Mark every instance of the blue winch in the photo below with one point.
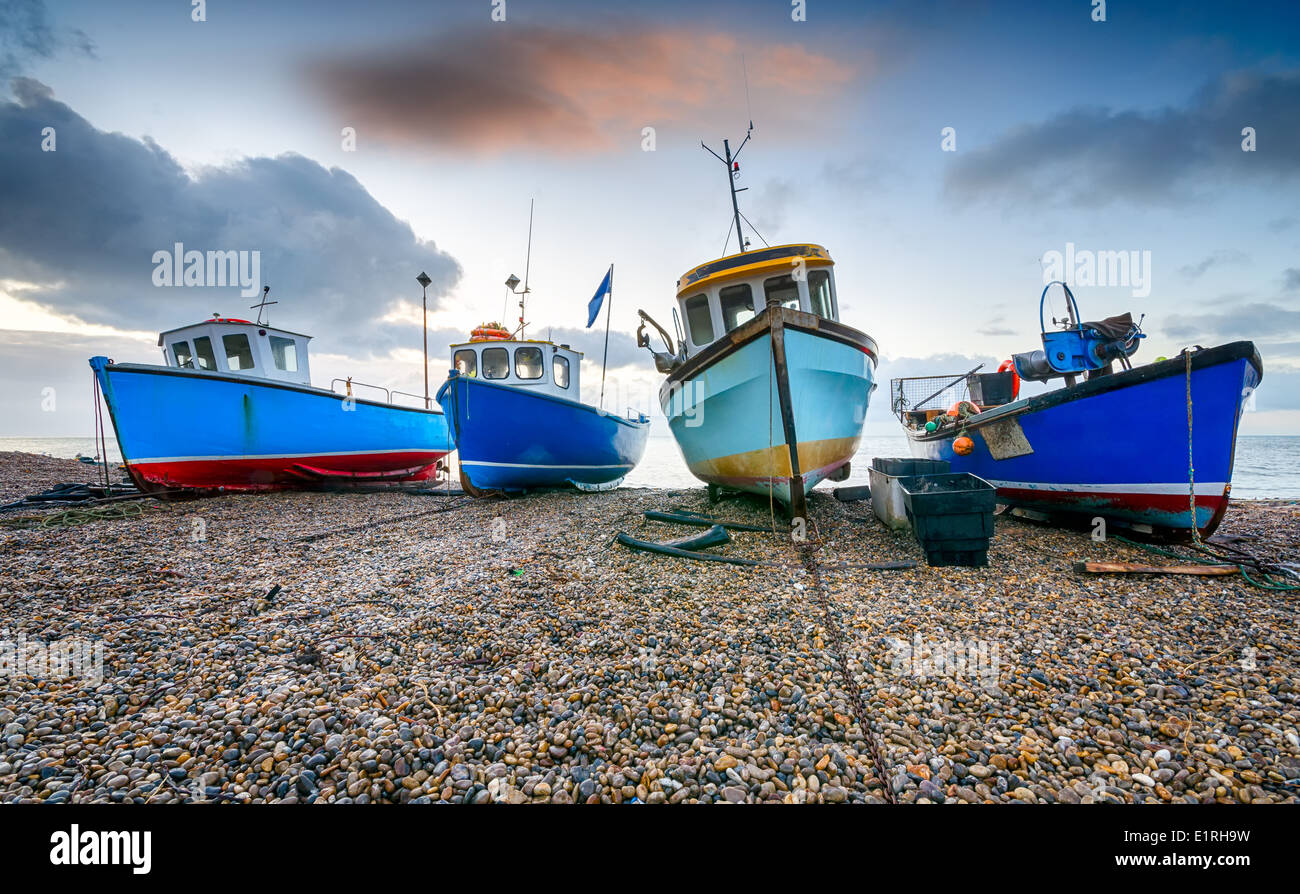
(1079, 347)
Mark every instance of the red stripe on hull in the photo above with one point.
(1170, 511)
(285, 473)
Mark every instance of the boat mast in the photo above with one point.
(528, 258)
(733, 169)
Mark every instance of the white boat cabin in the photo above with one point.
(719, 296)
(535, 365)
(238, 346)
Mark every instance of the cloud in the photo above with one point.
(1248, 321)
(1094, 156)
(1291, 279)
(1194, 271)
(83, 222)
(993, 329)
(562, 90)
(26, 34)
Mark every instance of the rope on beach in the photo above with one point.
(351, 529)
(79, 516)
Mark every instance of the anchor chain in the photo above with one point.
(841, 659)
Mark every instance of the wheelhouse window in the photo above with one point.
(819, 293)
(782, 290)
(284, 352)
(529, 363)
(239, 355)
(467, 362)
(737, 305)
(496, 363)
(560, 370)
(699, 319)
(181, 354)
(203, 356)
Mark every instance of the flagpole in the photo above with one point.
(609, 302)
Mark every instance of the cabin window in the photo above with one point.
(528, 363)
(699, 319)
(782, 290)
(181, 352)
(467, 363)
(737, 305)
(239, 355)
(496, 363)
(203, 356)
(560, 370)
(284, 352)
(819, 293)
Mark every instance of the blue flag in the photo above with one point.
(594, 305)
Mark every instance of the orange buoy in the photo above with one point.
(1010, 366)
(963, 446)
(968, 407)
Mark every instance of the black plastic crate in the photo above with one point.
(971, 558)
(991, 389)
(909, 466)
(957, 526)
(948, 493)
(951, 516)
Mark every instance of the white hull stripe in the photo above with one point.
(1202, 487)
(537, 466)
(235, 456)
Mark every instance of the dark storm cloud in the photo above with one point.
(26, 34)
(561, 89)
(1094, 156)
(83, 223)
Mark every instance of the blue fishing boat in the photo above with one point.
(1148, 447)
(766, 389)
(519, 425)
(233, 409)
(516, 414)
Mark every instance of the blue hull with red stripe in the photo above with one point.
(1117, 446)
(514, 439)
(200, 430)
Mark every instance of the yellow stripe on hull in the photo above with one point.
(774, 461)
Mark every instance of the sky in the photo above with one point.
(944, 152)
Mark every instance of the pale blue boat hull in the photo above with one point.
(726, 412)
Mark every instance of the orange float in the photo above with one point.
(963, 446)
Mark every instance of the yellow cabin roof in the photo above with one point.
(749, 263)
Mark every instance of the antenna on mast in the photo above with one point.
(261, 307)
(733, 171)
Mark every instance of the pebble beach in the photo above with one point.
(396, 647)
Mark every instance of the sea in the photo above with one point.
(1267, 467)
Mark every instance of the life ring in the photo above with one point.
(972, 408)
(1010, 366)
(490, 332)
